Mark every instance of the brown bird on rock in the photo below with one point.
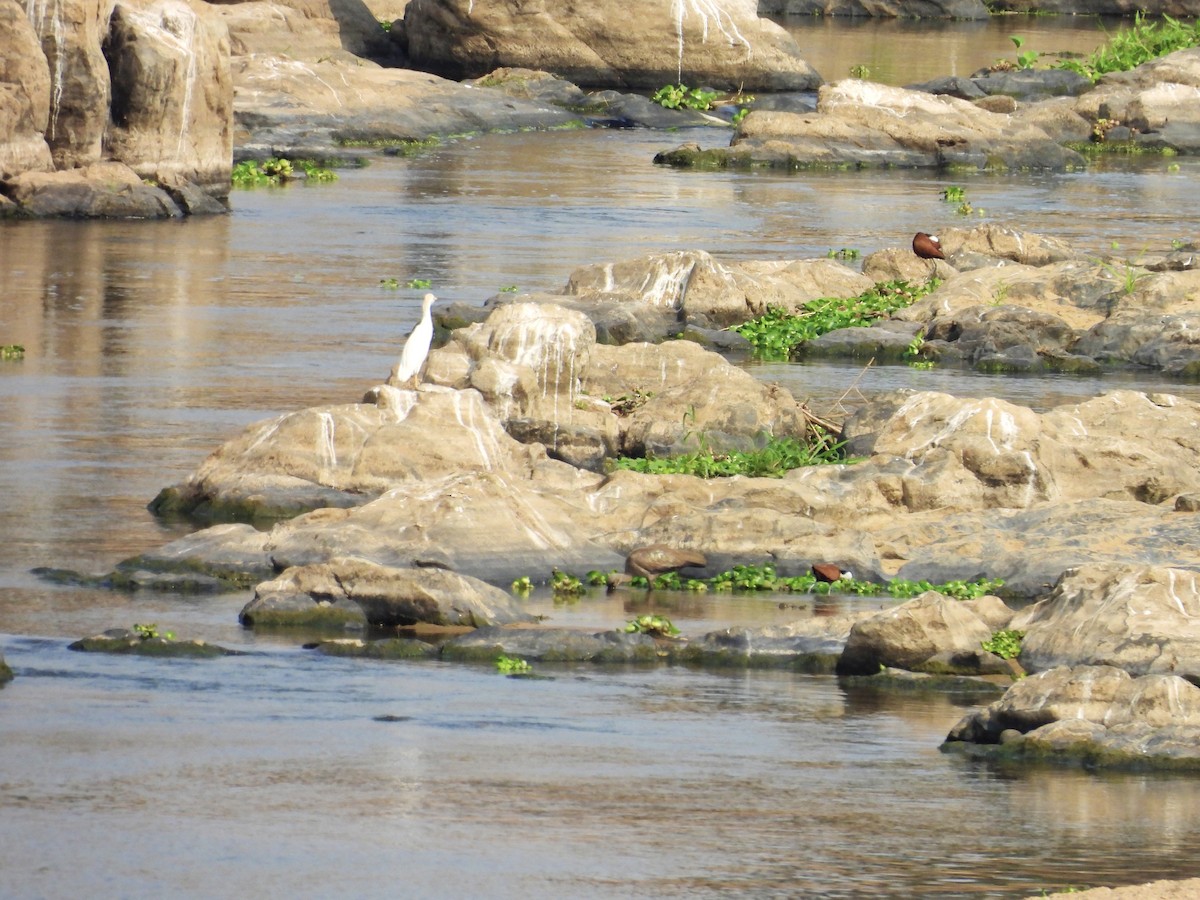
(657, 559)
(927, 246)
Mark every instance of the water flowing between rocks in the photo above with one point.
(148, 344)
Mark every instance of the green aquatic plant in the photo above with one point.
(1006, 643)
(1026, 59)
(780, 455)
(148, 631)
(860, 72)
(680, 96)
(391, 284)
(765, 578)
(1130, 47)
(778, 333)
(914, 353)
(846, 253)
(659, 626)
(522, 585)
(278, 170)
(508, 289)
(12, 351)
(512, 665)
(562, 584)
(419, 284)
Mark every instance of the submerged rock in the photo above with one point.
(144, 643)
(554, 645)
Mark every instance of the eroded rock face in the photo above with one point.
(172, 92)
(724, 45)
(1143, 620)
(24, 95)
(100, 92)
(71, 33)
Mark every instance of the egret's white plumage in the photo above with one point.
(416, 348)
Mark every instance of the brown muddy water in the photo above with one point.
(281, 773)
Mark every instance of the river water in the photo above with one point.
(280, 772)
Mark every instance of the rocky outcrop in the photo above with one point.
(114, 110)
(1142, 620)
(1089, 715)
(725, 45)
(951, 489)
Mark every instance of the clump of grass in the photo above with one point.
(778, 333)
(780, 455)
(1129, 48)
(12, 351)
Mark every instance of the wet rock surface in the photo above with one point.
(1089, 715)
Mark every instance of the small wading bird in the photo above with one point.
(416, 348)
(927, 246)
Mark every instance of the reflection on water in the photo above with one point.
(292, 774)
(149, 343)
(909, 51)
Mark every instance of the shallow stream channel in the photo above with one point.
(279, 772)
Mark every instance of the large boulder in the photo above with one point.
(930, 633)
(172, 93)
(720, 45)
(1145, 620)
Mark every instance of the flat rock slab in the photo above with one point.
(391, 597)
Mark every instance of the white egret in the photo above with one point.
(416, 348)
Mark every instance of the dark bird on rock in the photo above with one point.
(927, 246)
